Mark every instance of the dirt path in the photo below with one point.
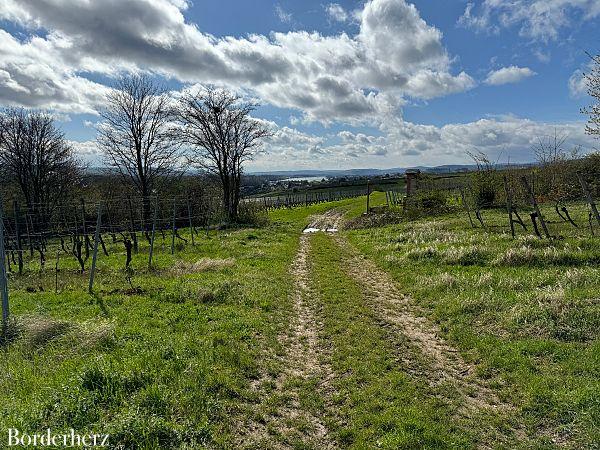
(392, 307)
(290, 423)
(428, 356)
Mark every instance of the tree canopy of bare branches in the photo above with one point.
(134, 135)
(222, 135)
(35, 154)
(593, 88)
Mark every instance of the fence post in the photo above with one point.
(189, 208)
(3, 279)
(173, 230)
(535, 206)
(588, 194)
(95, 251)
(18, 236)
(153, 234)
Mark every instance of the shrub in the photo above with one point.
(253, 214)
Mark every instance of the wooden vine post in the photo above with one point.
(589, 198)
(153, 234)
(86, 240)
(536, 208)
(189, 208)
(132, 226)
(95, 250)
(466, 205)
(509, 206)
(3, 278)
(18, 236)
(368, 196)
(174, 229)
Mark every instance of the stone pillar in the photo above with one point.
(411, 181)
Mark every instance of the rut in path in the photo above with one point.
(303, 361)
(396, 310)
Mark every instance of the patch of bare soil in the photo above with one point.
(328, 221)
(288, 423)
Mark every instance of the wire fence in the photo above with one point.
(527, 197)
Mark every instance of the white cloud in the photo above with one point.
(537, 19)
(343, 78)
(403, 143)
(577, 83)
(282, 15)
(512, 74)
(336, 12)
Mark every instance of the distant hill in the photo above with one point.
(448, 168)
(360, 172)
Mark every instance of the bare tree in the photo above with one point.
(218, 126)
(134, 135)
(593, 88)
(553, 159)
(35, 154)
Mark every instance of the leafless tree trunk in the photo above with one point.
(218, 126)
(135, 138)
(35, 154)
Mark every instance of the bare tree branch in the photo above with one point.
(217, 125)
(135, 135)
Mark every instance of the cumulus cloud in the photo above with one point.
(537, 19)
(401, 143)
(343, 78)
(512, 74)
(32, 75)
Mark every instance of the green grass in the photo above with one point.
(377, 403)
(526, 311)
(168, 361)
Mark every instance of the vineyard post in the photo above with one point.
(588, 195)
(3, 279)
(153, 234)
(466, 205)
(173, 230)
(18, 236)
(29, 231)
(368, 196)
(509, 206)
(132, 225)
(95, 251)
(85, 235)
(535, 206)
(189, 208)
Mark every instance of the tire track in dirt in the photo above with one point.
(443, 364)
(395, 309)
(291, 423)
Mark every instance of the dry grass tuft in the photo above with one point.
(202, 265)
(465, 256)
(41, 330)
(96, 333)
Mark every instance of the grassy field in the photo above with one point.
(525, 311)
(422, 334)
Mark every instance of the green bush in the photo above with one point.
(253, 214)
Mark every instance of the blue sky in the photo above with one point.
(377, 83)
